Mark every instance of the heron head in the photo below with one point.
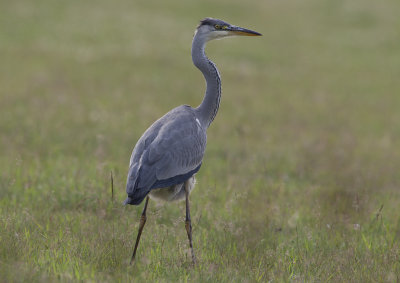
(215, 29)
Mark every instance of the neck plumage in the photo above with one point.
(208, 108)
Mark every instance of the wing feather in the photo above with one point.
(173, 146)
(178, 149)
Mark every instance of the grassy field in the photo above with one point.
(300, 181)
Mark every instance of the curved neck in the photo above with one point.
(210, 104)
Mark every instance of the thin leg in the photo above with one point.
(188, 222)
(141, 225)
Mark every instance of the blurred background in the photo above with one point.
(301, 175)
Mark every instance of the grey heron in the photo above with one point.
(166, 158)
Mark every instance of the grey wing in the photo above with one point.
(177, 151)
(168, 149)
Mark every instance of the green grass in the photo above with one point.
(300, 181)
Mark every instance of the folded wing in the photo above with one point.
(169, 151)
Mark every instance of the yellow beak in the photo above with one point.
(234, 30)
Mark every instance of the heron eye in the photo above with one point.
(217, 26)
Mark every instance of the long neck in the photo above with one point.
(210, 104)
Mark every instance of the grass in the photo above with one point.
(300, 180)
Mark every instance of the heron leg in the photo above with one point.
(143, 219)
(188, 222)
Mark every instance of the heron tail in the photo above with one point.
(134, 188)
(134, 200)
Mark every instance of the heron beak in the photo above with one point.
(234, 30)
